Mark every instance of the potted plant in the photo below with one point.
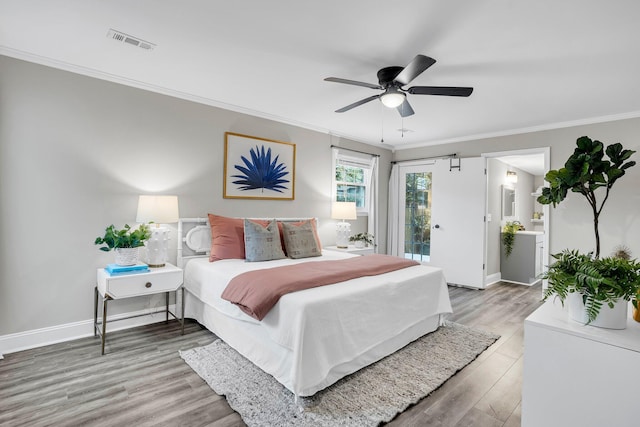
(362, 240)
(597, 289)
(509, 235)
(590, 284)
(125, 242)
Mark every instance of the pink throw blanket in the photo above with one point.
(256, 292)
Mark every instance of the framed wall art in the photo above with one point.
(258, 168)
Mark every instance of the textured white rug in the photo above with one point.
(368, 397)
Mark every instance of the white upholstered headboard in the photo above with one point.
(194, 237)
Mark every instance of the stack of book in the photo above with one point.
(117, 270)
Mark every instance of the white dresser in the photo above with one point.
(577, 375)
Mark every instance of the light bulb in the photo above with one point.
(392, 98)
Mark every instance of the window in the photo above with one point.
(351, 177)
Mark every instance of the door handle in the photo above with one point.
(436, 226)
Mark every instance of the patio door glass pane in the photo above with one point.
(417, 216)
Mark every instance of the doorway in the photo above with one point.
(522, 171)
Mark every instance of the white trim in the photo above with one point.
(70, 331)
(50, 62)
(518, 131)
(492, 279)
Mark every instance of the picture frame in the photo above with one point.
(258, 168)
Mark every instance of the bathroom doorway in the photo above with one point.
(514, 180)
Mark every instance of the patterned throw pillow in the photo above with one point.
(300, 240)
(262, 243)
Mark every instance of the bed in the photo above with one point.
(311, 338)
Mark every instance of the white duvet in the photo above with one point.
(332, 325)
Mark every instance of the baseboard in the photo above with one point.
(535, 282)
(56, 334)
(492, 278)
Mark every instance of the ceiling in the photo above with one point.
(531, 163)
(533, 65)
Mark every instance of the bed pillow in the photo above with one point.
(262, 242)
(227, 238)
(313, 223)
(300, 240)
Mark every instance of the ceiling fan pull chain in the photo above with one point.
(381, 123)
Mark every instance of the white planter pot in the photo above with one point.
(126, 256)
(610, 318)
(359, 244)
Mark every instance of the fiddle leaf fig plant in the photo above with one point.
(586, 171)
(124, 238)
(599, 281)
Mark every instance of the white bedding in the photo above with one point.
(325, 329)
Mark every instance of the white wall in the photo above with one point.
(571, 223)
(75, 153)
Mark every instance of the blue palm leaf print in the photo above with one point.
(261, 172)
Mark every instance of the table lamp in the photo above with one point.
(343, 211)
(158, 210)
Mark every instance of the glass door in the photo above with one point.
(441, 217)
(416, 199)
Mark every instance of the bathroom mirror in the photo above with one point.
(508, 203)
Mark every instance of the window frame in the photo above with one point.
(354, 162)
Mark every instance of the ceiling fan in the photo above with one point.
(391, 80)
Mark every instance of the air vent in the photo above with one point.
(126, 38)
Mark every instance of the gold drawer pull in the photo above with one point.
(147, 285)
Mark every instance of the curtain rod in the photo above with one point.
(355, 151)
(444, 156)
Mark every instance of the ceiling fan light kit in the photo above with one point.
(392, 98)
(391, 80)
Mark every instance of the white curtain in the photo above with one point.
(394, 211)
(372, 197)
(334, 162)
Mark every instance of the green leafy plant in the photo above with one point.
(124, 238)
(509, 235)
(586, 171)
(362, 237)
(599, 280)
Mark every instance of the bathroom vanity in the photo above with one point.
(525, 263)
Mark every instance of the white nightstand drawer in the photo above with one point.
(165, 279)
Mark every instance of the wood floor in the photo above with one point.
(142, 381)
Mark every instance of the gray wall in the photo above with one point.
(571, 223)
(75, 153)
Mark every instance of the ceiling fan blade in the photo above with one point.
(414, 69)
(352, 82)
(405, 109)
(355, 104)
(440, 90)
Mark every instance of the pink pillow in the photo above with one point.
(227, 237)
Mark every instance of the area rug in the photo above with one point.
(372, 395)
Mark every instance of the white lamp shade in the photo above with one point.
(158, 209)
(392, 99)
(344, 210)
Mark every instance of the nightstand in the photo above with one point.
(112, 287)
(351, 250)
